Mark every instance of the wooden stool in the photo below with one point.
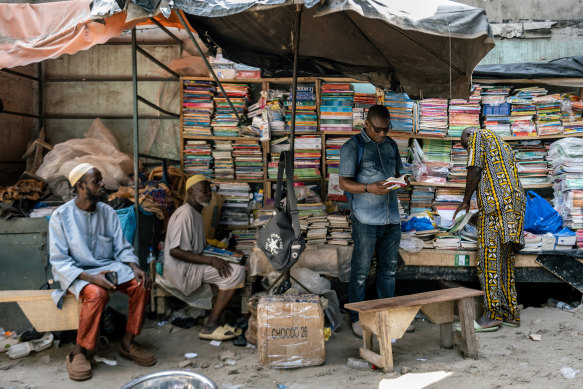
(389, 318)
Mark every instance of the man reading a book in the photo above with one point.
(492, 172)
(187, 269)
(365, 165)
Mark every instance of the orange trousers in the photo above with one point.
(95, 298)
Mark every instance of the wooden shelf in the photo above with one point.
(506, 138)
(196, 137)
(227, 80)
(218, 180)
(299, 180)
(340, 132)
(461, 185)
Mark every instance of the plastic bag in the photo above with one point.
(417, 224)
(411, 244)
(540, 217)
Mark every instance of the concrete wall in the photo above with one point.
(18, 95)
(533, 30)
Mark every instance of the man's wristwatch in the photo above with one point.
(365, 188)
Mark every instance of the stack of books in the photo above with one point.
(336, 107)
(531, 161)
(333, 146)
(422, 200)
(339, 230)
(494, 94)
(317, 230)
(458, 161)
(225, 121)
(223, 159)
(308, 154)
(197, 158)
(571, 110)
(403, 112)
(248, 160)
(197, 107)
(548, 110)
(244, 240)
(235, 207)
(433, 117)
(463, 114)
(306, 111)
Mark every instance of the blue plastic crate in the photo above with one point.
(496, 110)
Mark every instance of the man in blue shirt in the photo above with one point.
(376, 224)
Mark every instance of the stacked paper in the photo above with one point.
(531, 162)
(458, 160)
(571, 109)
(333, 146)
(494, 94)
(340, 232)
(197, 107)
(548, 110)
(433, 117)
(422, 200)
(197, 158)
(497, 118)
(463, 114)
(245, 240)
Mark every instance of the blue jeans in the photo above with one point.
(368, 238)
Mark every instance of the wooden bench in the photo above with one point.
(389, 318)
(41, 311)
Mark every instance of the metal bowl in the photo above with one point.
(172, 379)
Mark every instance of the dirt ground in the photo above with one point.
(507, 358)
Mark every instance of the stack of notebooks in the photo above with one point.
(276, 146)
(522, 114)
(248, 160)
(458, 160)
(422, 200)
(307, 157)
(433, 117)
(317, 229)
(437, 149)
(197, 107)
(340, 232)
(531, 162)
(306, 112)
(223, 254)
(197, 158)
(404, 197)
(336, 107)
(463, 114)
(403, 145)
(548, 109)
(333, 146)
(403, 112)
(223, 159)
(235, 207)
(275, 116)
(447, 242)
(571, 114)
(447, 200)
(225, 121)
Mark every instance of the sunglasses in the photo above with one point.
(378, 130)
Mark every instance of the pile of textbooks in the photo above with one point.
(235, 207)
(433, 117)
(248, 160)
(307, 157)
(336, 107)
(306, 119)
(197, 158)
(403, 112)
(225, 121)
(223, 160)
(197, 107)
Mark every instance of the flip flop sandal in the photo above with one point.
(234, 330)
(478, 328)
(505, 323)
(220, 333)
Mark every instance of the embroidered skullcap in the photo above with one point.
(195, 180)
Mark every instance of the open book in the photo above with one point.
(460, 222)
(396, 183)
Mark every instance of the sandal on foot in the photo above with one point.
(137, 354)
(78, 366)
(510, 323)
(235, 330)
(479, 328)
(220, 333)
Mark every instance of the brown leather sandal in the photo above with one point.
(137, 354)
(78, 366)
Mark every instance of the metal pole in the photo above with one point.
(136, 141)
(208, 65)
(296, 48)
(41, 107)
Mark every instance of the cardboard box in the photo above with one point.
(248, 74)
(290, 331)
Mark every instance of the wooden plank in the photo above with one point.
(567, 268)
(446, 335)
(372, 357)
(460, 185)
(412, 300)
(467, 317)
(439, 313)
(7, 296)
(366, 339)
(384, 338)
(369, 321)
(45, 316)
(433, 257)
(399, 320)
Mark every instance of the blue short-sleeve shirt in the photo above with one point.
(379, 162)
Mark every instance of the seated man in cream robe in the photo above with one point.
(186, 269)
(87, 243)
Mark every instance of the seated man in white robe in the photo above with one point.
(187, 269)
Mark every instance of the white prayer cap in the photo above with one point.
(79, 171)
